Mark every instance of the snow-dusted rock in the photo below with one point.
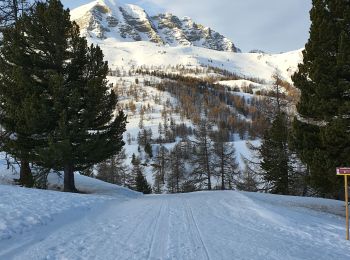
(104, 19)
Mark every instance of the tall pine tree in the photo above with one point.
(10, 12)
(321, 128)
(159, 168)
(225, 164)
(202, 157)
(176, 174)
(88, 131)
(61, 103)
(274, 152)
(139, 181)
(24, 114)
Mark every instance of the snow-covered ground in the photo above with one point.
(205, 225)
(243, 85)
(256, 65)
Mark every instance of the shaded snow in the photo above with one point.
(204, 225)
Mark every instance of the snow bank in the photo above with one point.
(21, 209)
(93, 186)
(335, 207)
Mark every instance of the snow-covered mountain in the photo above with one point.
(129, 37)
(104, 19)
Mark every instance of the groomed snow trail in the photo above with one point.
(204, 225)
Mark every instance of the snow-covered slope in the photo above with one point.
(206, 225)
(255, 65)
(130, 37)
(103, 19)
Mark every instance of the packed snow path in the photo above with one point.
(204, 225)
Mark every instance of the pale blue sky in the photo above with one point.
(271, 25)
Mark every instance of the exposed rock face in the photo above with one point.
(106, 19)
(141, 25)
(92, 22)
(186, 32)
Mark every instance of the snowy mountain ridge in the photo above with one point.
(102, 19)
(130, 38)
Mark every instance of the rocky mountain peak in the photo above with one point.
(104, 19)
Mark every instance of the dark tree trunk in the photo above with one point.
(207, 166)
(15, 10)
(25, 175)
(209, 182)
(222, 181)
(177, 183)
(222, 167)
(69, 184)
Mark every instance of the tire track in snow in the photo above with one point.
(136, 227)
(142, 221)
(156, 231)
(197, 230)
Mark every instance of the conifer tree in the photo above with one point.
(177, 170)
(225, 164)
(61, 110)
(321, 129)
(275, 168)
(273, 161)
(10, 12)
(148, 150)
(139, 181)
(24, 77)
(141, 184)
(87, 130)
(159, 168)
(202, 157)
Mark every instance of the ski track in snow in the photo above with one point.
(203, 225)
